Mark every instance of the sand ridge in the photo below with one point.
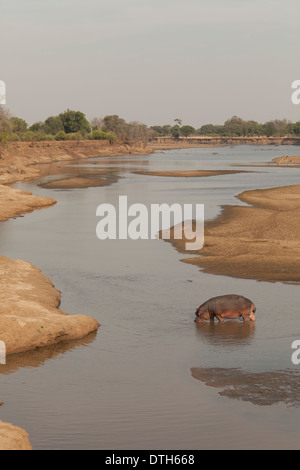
(260, 241)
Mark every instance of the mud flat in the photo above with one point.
(259, 242)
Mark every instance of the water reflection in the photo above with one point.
(38, 357)
(263, 388)
(233, 333)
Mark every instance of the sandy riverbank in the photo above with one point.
(18, 160)
(168, 143)
(29, 310)
(13, 438)
(13, 202)
(259, 242)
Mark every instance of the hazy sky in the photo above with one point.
(151, 60)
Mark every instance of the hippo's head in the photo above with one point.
(198, 311)
(201, 314)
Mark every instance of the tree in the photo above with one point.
(97, 124)
(53, 125)
(137, 132)
(207, 129)
(269, 129)
(19, 126)
(114, 124)
(297, 128)
(175, 131)
(74, 121)
(36, 127)
(5, 123)
(187, 130)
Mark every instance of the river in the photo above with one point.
(130, 386)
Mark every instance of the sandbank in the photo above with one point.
(260, 241)
(286, 160)
(189, 173)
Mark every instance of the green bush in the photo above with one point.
(31, 136)
(4, 138)
(49, 137)
(14, 138)
(97, 135)
(61, 135)
(74, 136)
(111, 136)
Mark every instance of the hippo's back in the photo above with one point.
(231, 301)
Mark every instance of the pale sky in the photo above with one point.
(202, 61)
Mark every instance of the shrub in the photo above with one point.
(49, 137)
(61, 135)
(98, 135)
(74, 136)
(4, 138)
(14, 138)
(111, 136)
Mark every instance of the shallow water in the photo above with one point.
(130, 386)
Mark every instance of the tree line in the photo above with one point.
(73, 125)
(234, 127)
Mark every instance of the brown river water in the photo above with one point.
(151, 378)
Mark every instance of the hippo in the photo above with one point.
(226, 306)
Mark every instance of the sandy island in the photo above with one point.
(259, 242)
(286, 160)
(189, 173)
(77, 182)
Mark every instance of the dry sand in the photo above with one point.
(259, 242)
(286, 160)
(29, 310)
(13, 202)
(13, 438)
(78, 182)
